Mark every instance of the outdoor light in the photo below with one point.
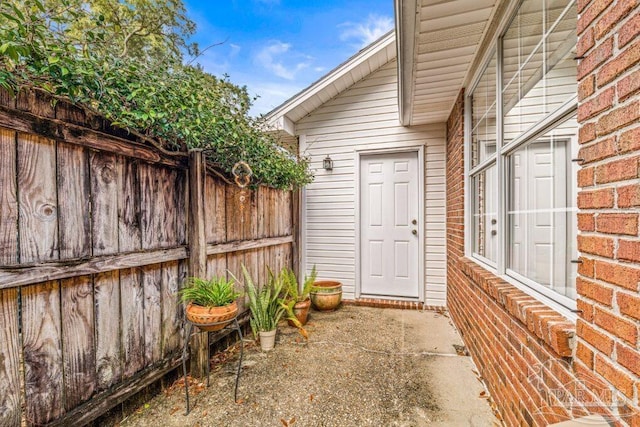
(327, 163)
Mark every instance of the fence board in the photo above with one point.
(172, 276)
(108, 335)
(62, 131)
(73, 201)
(217, 265)
(162, 207)
(129, 233)
(104, 203)
(210, 223)
(180, 191)
(70, 113)
(38, 217)
(10, 362)
(8, 198)
(78, 340)
(152, 283)
(232, 214)
(131, 306)
(42, 352)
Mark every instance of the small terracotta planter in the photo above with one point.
(301, 311)
(326, 295)
(199, 315)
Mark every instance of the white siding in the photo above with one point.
(366, 115)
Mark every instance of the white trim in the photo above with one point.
(407, 14)
(302, 142)
(393, 148)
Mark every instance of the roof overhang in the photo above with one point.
(345, 75)
(438, 41)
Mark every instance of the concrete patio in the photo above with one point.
(360, 367)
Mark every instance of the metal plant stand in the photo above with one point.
(189, 330)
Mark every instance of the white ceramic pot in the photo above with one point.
(267, 340)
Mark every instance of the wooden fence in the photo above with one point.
(97, 233)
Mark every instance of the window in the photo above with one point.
(521, 145)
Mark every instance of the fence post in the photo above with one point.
(197, 251)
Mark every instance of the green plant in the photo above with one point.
(296, 292)
(215, 292)
(264, 302)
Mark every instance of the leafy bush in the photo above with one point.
(67, 48)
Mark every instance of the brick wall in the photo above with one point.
(608, 343)
(539, 367)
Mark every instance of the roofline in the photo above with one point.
(406, 18)
(329, 78)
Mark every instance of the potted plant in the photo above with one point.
(266, 308)
(297, 302)
(211, 304)
(326, 295)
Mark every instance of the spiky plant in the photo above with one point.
(296, 292)
(264, 302)
(216, 292)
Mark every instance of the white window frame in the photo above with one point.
(565, 305)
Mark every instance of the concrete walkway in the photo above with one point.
(360, 367)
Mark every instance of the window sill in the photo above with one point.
(541, 320)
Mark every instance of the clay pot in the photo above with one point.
(326, 295)
(301, 310)
(202, 316)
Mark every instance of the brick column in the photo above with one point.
(607, 354)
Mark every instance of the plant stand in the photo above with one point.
(229, 324)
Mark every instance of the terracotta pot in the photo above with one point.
(267, 339)
(200, 316)
(326, 295)
(301, 310)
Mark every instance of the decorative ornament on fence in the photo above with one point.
(242, 176)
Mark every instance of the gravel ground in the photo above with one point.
(360, 367)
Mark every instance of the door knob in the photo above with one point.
(414, 222)
(414, 232)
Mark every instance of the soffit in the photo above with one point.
(447, 37)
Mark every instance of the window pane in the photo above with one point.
(539, 73)
(483, 116)
(522, 37)
(541, 210)
(485, 218)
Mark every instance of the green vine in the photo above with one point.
(75, 49)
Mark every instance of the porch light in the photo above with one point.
(327, 163)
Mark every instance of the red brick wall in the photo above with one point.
(608, 343)
(539, 367)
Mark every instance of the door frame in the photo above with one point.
(392, 149)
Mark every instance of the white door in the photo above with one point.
(389, 225)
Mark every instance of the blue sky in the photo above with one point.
(278, 47)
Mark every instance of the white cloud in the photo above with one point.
(365, 33)
(278, 59)
(271, 95)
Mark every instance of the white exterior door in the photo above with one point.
(389, 225)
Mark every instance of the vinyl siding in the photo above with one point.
(366, 115)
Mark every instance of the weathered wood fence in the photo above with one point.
(97, 233)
